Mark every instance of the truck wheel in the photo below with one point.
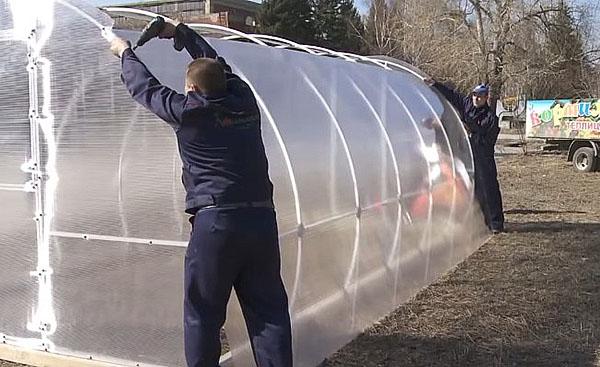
(584, 160)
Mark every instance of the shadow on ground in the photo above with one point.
(534, 211)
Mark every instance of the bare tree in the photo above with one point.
(429, 35)
(496, 25)
(514, 45)
(380, 29)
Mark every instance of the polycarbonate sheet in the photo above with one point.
(364, 133)
(371, 202)
(321, 306)
(286, 201)
(308, 125)
(116, 300)
(372, 280)
(18, 288)
(122, 154)
(15, 147)
(456, 135)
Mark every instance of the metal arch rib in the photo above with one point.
(384, 64)
(402, 65)
(428, 104)
(453, 163)
(271, 43)
(399, 65)
(471, 158)
(286, 42)
(340, 133)
(293, 182)
(284, 151)
(357, 223)
(332, 53)
(388, 141)
(426, 235)
(352, 172)
(235, 37)
(367, 59)
(384, 132)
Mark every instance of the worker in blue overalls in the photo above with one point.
(481, 123)
(234, 240)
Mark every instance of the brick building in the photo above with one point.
(236, 14)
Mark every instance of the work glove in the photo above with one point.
(118, 46)
(168, 31)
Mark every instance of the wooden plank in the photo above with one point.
(45, 359)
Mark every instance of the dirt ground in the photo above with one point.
(529, 297)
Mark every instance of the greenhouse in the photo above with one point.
(372, 173)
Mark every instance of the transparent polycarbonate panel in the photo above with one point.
(322, 305)
(408, 146)
(373, 272)
(454, 132)
(281, 175)
(118, 300)
(363, 130)
(18, 289)
(119, 168)
(15, 148)
(308, 125)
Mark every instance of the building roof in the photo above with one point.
(239, 4)
(150, 3)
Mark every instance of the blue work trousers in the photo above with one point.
(236, 248)
(487, 188)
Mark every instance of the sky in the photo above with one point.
(360, 4)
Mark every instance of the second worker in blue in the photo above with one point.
(481, 123)
(234, 240)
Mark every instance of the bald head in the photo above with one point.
(206, 76)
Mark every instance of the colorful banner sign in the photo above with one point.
(563, 119)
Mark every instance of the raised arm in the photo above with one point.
(453, 96)
(146, 89)
(196, 45)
